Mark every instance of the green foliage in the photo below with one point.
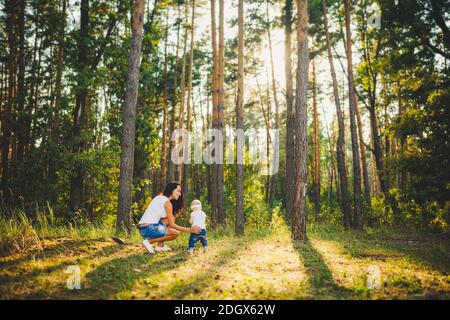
(24, 230)
(411, 214)
(256, 211)
(16, 233)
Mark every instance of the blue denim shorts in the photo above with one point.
(152, 231)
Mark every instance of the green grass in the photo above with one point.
(334, 264)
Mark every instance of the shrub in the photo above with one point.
(426, 216)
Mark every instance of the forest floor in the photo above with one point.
(333, 264)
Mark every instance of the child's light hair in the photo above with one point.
(196, 205)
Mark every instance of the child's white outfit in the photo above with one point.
(198, 220)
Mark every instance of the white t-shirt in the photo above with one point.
(155, 210)
(198, 219)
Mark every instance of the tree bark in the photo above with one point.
(79, 113)
(354, 135)
(58, 86)
(214, 111)
(376, 139)
(402, 182)
(170, 165)
(273, 177)
(22, 115)
(186, 167)
(11, 21)
(290, 111)
(129, 120)
(165, 107)
(35, 80)
(240, 123)
(266, 116)
(316, 143)
(59, 63)
(439, 17)
(183, 89)
(363, 155)
(342, 170)
(301, 123)
(221, 214)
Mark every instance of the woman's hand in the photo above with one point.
(194, 229)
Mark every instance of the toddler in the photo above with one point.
(198, 218)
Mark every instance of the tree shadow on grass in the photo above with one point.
(434, 253)
(320, 278)
(181, 289)
(64, 246)
(431, 251)
(28, 279)
(121, 274)
(195, 286)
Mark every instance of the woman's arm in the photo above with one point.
(171, 218)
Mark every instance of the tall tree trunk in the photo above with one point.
(266, 116)
(376, 139)
(363, 154)
(21, 82)
(273, 177)
(79, 114)
(301, 123)
(60, 59)
(188, 100)
(375, 180)
(316, 142)
(354, 135)
(402, 182)
(58, 86)
(196, 175)
(35, 79)
(11, 22)
(165, 107)
(170, 165)
(129, 120)
(3, 85)
(290, 111)
(240, 124)
(341, 130)
(268, 139)
(331, 165)
(214, 112)
(183, 89)
(221, 214)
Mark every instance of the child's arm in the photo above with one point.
(190, 220)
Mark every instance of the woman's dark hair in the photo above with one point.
(177, 205)
(168, 189)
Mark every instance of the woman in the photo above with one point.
(151, 225)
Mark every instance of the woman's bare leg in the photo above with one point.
(169, 232)
(170, 235)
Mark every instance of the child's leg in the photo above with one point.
(204, 242)
(203, 239)
(192, 241)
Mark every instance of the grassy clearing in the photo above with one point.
(334, 264)
(18, 232)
